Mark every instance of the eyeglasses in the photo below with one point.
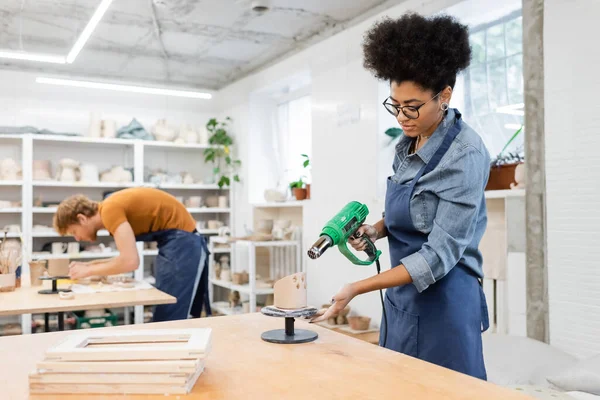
(410, 112)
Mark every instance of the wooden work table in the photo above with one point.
(242, 366)
(27, 300)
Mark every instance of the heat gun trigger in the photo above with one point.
(370, 250)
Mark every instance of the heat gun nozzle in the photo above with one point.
(319, 247)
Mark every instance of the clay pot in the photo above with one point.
(520, 177)
(10, 170)
(300, 193)
(42, 170)
(36, 270)
(359, 323)
(264, 226)
(501, 177)
(308, 191)
(8, 282)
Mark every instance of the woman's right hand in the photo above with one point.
(359, 243)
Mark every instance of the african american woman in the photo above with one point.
(435, 211)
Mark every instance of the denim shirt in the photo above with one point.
(448, 204)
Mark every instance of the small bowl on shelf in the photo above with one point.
(359, 323)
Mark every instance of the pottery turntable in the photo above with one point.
(290, 303)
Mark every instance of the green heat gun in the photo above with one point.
(339, 229)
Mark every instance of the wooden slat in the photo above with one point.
(164, 366)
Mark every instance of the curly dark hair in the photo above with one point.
(428, 51)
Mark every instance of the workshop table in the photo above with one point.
(27, 300)
(243, 366)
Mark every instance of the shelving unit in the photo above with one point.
(138, 156)
(284, 258)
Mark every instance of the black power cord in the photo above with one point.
(382, 305)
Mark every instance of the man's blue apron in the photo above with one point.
(442, 324)
(181, 258)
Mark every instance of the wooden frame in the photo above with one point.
(120, 367)
(181, 344)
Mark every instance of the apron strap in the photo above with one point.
(437, 156)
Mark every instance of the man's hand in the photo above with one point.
(340, 301)
(79, 270)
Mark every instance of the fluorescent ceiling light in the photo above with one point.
(19, 55)
(512, 109)
(87, 31)
(124, 88)
(512, 126)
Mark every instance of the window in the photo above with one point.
(493, 83)
(295, 136)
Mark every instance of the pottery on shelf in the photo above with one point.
(109, 128)
(10, 170)
(88, 173)
(42, 170)
(290, 292)
(275, 195)
(520, 177)
(68, 170)
(95, 127)
(187, 179)
(264, 226)
(203, 136)
(116, 174)
(162, 132)
(187, 134)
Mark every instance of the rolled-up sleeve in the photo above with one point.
(460, 192)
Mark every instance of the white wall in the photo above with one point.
(68, 109)
(572, 173)
(344, 161)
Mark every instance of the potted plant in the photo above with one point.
(306, 164)
(502, 167)
(219, 153)
(298, 189)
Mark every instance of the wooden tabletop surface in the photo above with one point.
(242, 366)
(27, 300)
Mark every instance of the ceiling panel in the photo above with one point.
(195, 43)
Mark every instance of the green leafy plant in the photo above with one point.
(220, 152)
(299, 184)
(306, 162)
(511, 157)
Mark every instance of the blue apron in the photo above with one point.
(442, 324)
(178, 266)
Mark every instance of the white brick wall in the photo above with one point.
(572, 120)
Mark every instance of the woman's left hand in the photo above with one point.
(340, 301)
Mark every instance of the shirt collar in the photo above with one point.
(426, 152)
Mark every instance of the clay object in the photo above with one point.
(95, 128)
(68, 170)
(203, 136)
(162, 132)
(359, 323)
(42, 170)
(234, 299)
(290, 291)
(188, 179)
(187, 134)
(10, 170)
(520, 177)
(109, 128)
(116, 174)
(264, 226)
(274, 195)
(89, 173)
(240, 278)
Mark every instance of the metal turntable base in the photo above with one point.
(289, 335)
